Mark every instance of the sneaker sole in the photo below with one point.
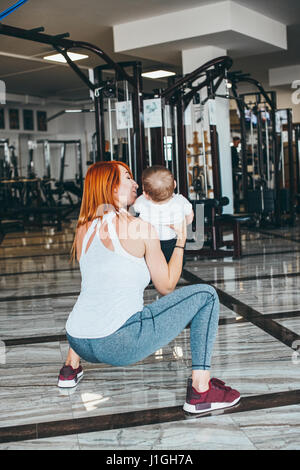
(70, 383)
(211, 407)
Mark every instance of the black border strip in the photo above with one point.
(34, 340)
(281, 333)
(139, 418)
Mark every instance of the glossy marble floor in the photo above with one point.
(140, 407)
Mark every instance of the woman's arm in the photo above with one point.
(189, 218)
(164, 276)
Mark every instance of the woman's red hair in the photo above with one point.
(101, 179)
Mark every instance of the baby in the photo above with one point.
(159, 206)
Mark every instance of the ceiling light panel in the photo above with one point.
(60, 58)
(158, 74)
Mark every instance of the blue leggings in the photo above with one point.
(155, 326)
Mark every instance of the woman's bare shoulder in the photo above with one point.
(82, 229)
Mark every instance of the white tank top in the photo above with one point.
(112, 285)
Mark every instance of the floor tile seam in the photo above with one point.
(138, 418)
(275, 235)
(254, 278)
(39, 296)
(270, 235)
(235, 279)
(46, 271)
(242, 430)
(34, 244)
(245, 255)
(27, 236)
(38, 234)
(8, 258)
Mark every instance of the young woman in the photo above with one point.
(118, 254)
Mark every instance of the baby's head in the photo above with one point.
(158, 183)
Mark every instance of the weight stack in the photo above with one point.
(284, 198)
(261, 202)
(254, 201)
(269, 200)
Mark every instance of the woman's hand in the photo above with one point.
(181, 231)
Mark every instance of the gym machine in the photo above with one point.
(42, 199)
(259, 151)
(5, 167)
(287, 175)
(199, 180)
(297, 157)
(259, 193)
(120, 130)
(64, 187)
(8, 160)
(33, 200)
(257, 114)
(163, 141)
(179, 96)
(268, 186)
(23, 203)
(62, 45)
(11, 185)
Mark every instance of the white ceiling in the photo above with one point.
(92, 21)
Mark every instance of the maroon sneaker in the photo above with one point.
(218, 396)
(69, 377)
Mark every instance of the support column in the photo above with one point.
(192, 59)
